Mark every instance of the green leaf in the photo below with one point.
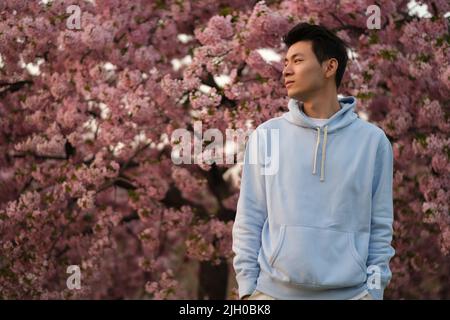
(386, 54)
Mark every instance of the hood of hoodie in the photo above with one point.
(341, 119)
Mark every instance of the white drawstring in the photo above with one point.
(315, 152)
(322, 167)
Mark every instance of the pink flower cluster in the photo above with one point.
(86, 176)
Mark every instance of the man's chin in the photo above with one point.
(295, 95)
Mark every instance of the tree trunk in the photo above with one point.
(213, 281)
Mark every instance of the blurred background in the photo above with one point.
(94, 203)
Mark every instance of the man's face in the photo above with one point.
(302, 67)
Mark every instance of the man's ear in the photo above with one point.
(330, 67)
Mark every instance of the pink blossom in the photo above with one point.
(133, 221)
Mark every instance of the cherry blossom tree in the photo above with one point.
(88, 112)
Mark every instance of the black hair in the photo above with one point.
(325, 45)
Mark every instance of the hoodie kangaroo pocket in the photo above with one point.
(316, 257)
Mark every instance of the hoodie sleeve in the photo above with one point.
(250, 217)
(380, 249)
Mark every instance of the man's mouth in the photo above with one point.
(288, 83)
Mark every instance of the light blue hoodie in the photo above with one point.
(320, 227)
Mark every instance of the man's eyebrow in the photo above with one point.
(295, 54)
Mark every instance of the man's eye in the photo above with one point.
(296, 60)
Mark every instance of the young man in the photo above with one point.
(320, 225)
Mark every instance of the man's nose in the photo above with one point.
(286, 72)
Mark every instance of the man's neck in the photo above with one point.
(321, 107)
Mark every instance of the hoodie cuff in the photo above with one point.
(377, 294)
(246, 286)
